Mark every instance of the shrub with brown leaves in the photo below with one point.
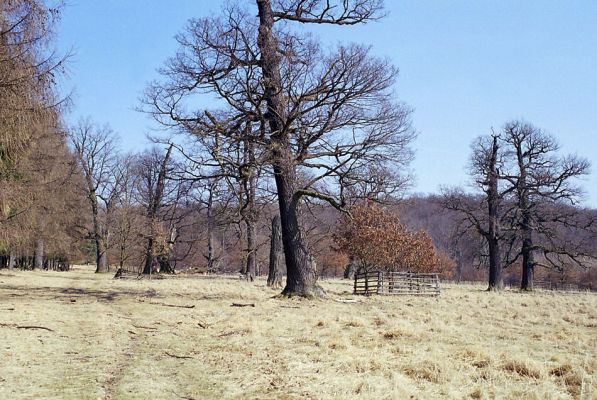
(377, 239)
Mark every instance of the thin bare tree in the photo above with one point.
(482, 214)
(97, 156)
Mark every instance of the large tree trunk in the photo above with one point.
(211, 259)
(528, 262)
(249, 211)
(166, 265)
(526, 231)
(38, 262)
(122, 254)
(350, 269)
(301, 275)
(101, 257)
(148, 257)
(251, 250)
(12, 260)
(101, 261)
(459, 265)
(153, 209)
(274, 276)
(496, 281)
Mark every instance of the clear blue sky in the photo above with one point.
(465, 66)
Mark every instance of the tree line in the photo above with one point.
(297, 163)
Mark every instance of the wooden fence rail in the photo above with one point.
(396, 283)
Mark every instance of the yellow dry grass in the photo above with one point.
(123, 339)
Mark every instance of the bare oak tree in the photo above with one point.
(319, 119)
(482, 214)
(154, 170)
(529, 208)
(541, 183)
(97, 157)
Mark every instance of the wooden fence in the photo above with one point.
(396, 283)
(565, 287)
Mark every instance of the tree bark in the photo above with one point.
(249, 212)
(459, 265)
(166, 265)
(274, 276)
(496, 281)
(12, 260)
(301, 279)
(38, 262)
(251, 249)
(148, 257)
(153, 209)
(211, 259)
(350, 270)
(101, 257)
(526, 229)
(528, 261)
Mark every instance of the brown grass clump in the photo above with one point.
(396, 333)
(427, 370)
(476, 394)
(480, 363)
(573, 384)
(561, 370)
(522, 369)
(571, 378)
(354, 324)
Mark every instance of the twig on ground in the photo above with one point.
(173, 305)
(27, 327)
(237, 332)
(151, 328)
(242, 305)
(175, 356)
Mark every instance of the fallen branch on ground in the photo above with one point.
(237, 332)
(151, 328)
(173, 305)
(27, 327)
(182, 397)
(242, 305)
(34, 327)
(175, 356)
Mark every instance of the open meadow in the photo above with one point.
(80, 335)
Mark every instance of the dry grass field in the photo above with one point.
(180, 338)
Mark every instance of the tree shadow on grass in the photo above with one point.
(8, 291)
